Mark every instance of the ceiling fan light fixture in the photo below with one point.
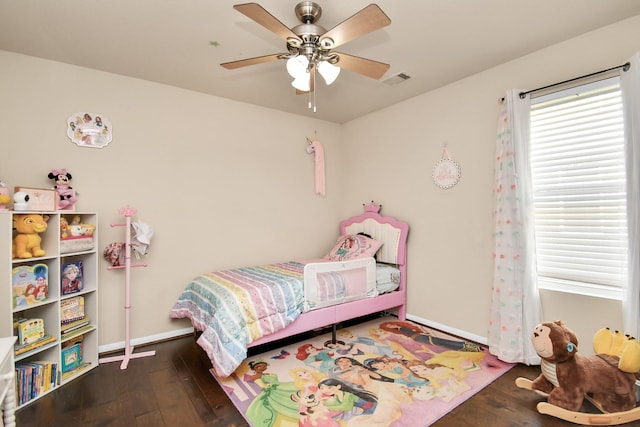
(328, 71)
(297, 66)
(302, 83)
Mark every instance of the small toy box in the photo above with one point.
(76, 244)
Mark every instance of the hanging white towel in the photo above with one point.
(142, 239)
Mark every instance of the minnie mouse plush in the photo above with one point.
(66, 195)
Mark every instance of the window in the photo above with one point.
(579, 194)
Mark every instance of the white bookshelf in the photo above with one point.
(56, 256)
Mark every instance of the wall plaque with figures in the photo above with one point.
(89, 130)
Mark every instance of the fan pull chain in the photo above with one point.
(314, 91)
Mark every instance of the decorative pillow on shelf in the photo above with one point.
(353, 246)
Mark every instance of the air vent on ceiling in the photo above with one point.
(396, 79)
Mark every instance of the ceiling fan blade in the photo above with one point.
(366, 67)
(267, 20)
(250, 61)
(369, 19)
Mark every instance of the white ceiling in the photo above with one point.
(436, 42)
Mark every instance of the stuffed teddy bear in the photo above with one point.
(66, 195)
(566, 375)
(27, 242)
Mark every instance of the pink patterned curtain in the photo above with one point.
(515, 302)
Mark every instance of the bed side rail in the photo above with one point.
(316, 275)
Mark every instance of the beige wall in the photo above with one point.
(222, 183)
(450, 241)
(200, 168)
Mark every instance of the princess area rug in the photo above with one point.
(383, 372)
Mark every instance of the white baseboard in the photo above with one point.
(108, 348)
(448, 329)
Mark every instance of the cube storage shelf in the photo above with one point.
(58, 253)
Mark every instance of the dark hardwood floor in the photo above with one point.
(174, 388)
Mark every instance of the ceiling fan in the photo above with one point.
(309, 46)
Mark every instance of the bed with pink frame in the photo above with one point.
(226, 353)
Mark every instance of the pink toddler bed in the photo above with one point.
(244, 307)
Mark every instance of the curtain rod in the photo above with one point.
(625, 67)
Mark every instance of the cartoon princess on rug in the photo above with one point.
(313, 412)
(362, 345)
(273, 406)
(395, 368)
(339, 396)
(445, 382)
(311, 355)
(416, 333)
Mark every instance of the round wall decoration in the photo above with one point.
(89, 130)
(446, 172)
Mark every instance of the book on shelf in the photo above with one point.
(73, 341)
(74, 326)
(71, 357)
(29, 330)
(35, 378)
(82, 366)
(21, 349)
(49, 379)
(72, 277)
(71, 309)
(30, 284)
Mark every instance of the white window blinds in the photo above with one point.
(579, 196)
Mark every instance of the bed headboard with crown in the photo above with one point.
(391, 232)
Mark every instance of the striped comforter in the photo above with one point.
(235, 307)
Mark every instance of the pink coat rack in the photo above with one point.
(127, 212)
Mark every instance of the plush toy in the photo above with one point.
(4, 199)
(625, 347)
(66, 195)
(65, 233)
(567, 376)
(26, 244)
(4, 196)
(80, 229)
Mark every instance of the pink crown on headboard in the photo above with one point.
(372, 207)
